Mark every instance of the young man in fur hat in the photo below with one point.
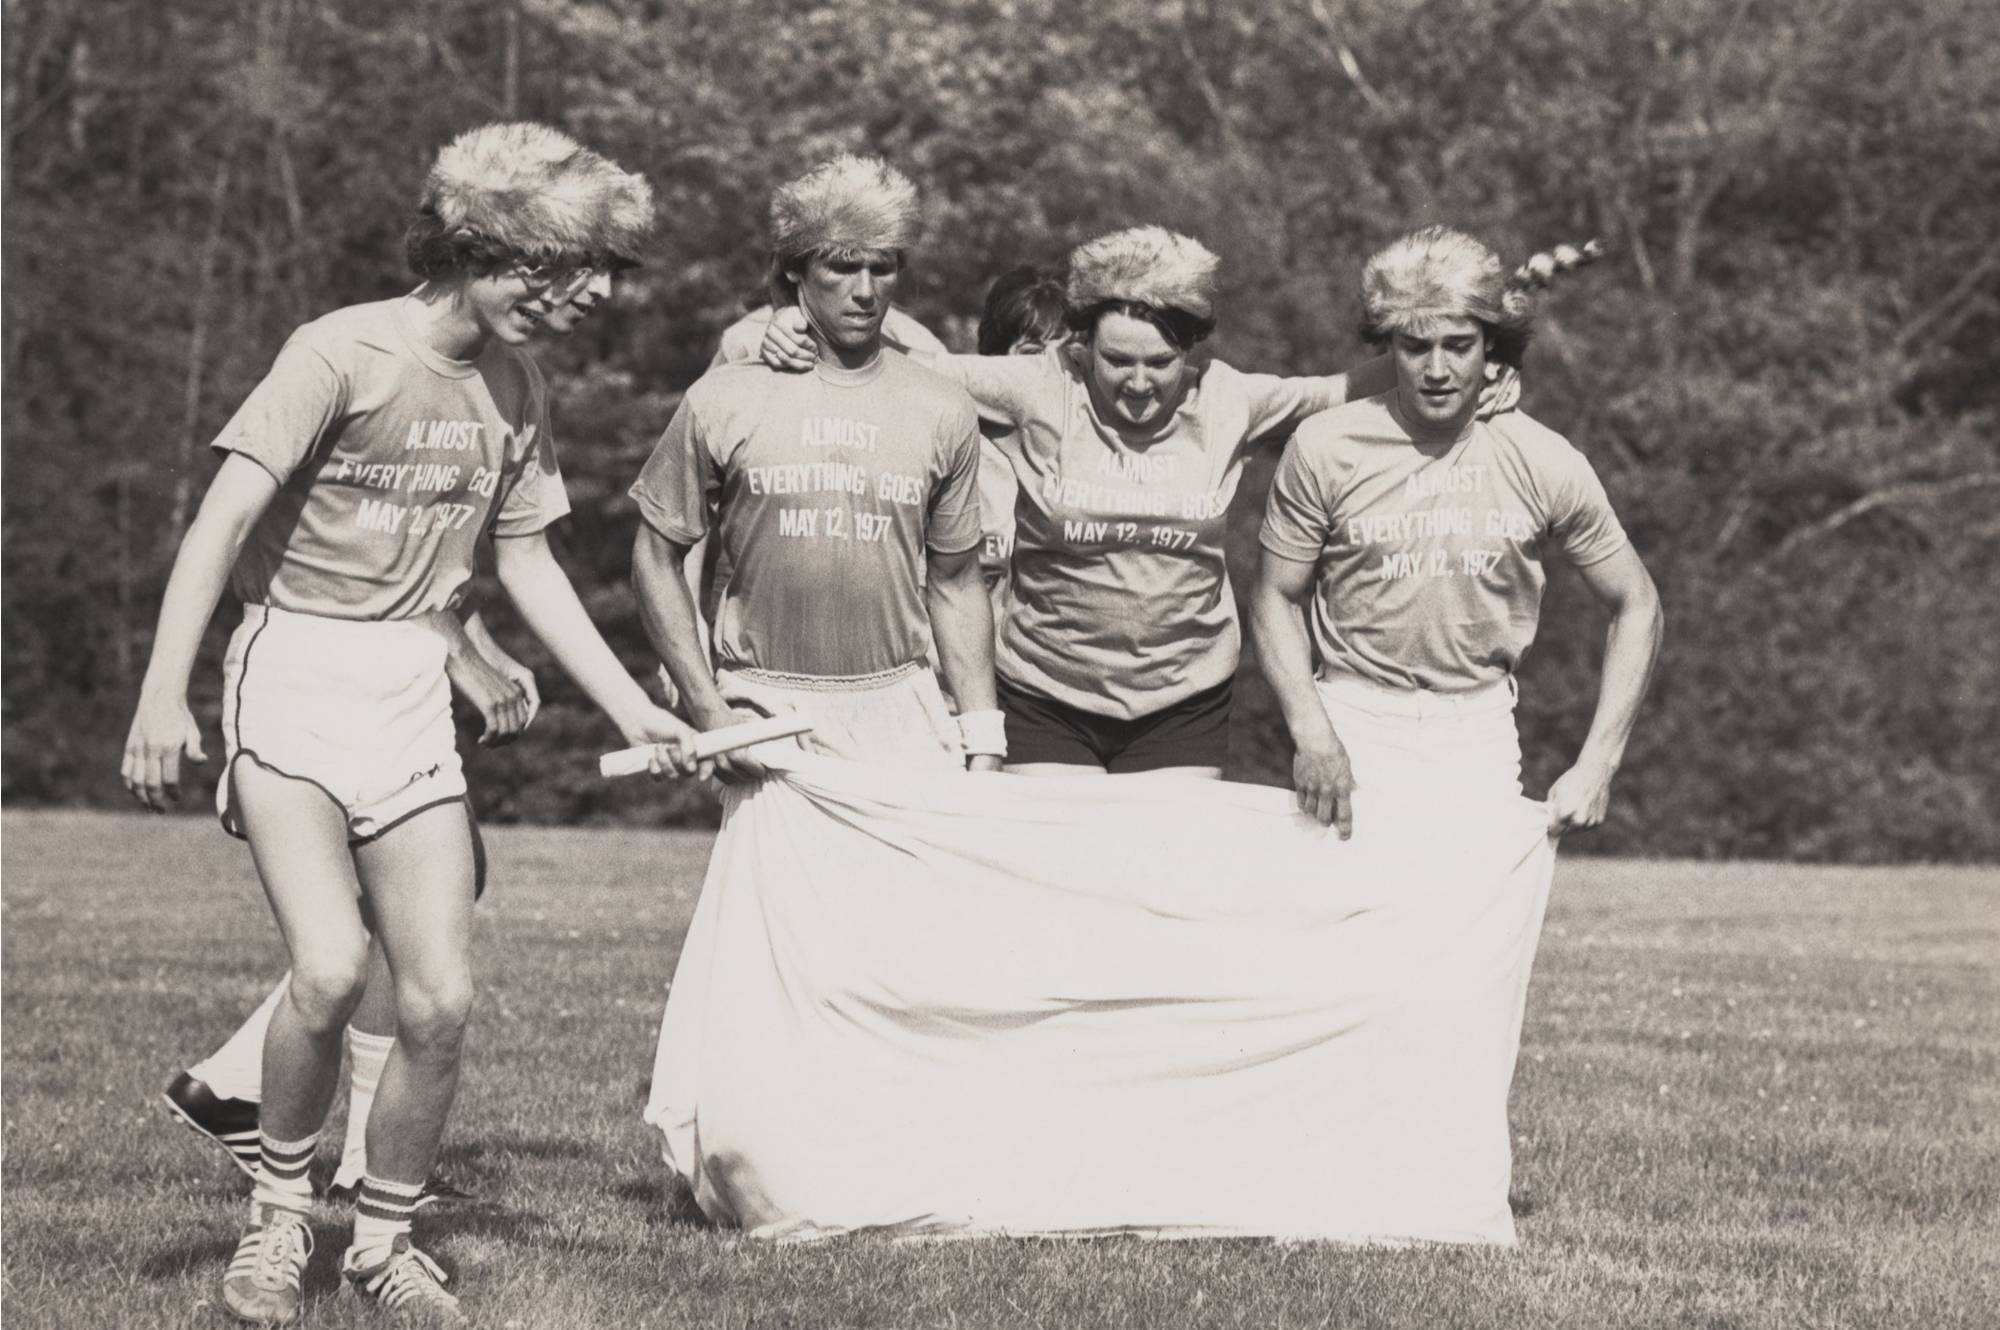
(1404, 541)
(219, 1096)
(354, 484)
(832, 493)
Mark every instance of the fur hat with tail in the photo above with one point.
(849, 205)
(1144, 265)
(1438, 273)
(522, 185)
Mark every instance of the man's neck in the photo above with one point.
(442, 317)
(844, 358)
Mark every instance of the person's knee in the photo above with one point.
(431, 1016)
(327, 985)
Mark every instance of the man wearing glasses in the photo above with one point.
(398, 434)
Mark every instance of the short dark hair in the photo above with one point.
(1179, 327)
(1022, 302)
(438, 251)
(1506, 344)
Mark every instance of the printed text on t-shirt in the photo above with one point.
(1440, 533)
(421, 478)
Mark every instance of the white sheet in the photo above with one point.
(953, 1005)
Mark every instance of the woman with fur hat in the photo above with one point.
(355, 481)
(1119, 650)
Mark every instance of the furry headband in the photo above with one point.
(1439, 273)
(539, 192)
(849, 205)
(1145, 265)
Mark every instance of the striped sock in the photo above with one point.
(281, 1173)
(381, 1215)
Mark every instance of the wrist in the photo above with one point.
(1312, 731)
(983, 733)
(1604, 765)
(711, 714)
(156, 690)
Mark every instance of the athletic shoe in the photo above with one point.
(262, 1285)
(438, 1190)
(230, 1123)
(408, 1288)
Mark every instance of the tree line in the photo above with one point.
(1784, 371)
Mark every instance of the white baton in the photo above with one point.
(709, 743)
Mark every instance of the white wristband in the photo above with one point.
(983, 733)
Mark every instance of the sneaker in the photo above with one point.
(408, 1288)
(230, 1123)
(438, 1190)
(262, 1284)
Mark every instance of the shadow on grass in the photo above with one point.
(205, 1258)
(667, 1198)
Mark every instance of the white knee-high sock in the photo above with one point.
(366, 1054)
(236, 1070)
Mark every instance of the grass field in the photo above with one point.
(1749, 1096)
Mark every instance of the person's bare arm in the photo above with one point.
(673, 626)
(541, 591)
(1581, 796)
(1321, 775)
(962, 624)
(163, 729)
(499, 687)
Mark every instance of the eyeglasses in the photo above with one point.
(550, 273)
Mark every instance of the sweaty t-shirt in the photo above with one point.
(742, 339)
(1430, 550)
(1121, 602)
(825, 489)
(391, 462)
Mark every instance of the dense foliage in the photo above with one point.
(1784, 373)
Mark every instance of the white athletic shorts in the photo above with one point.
(895, 718)
(360, 708)
(1427, 744)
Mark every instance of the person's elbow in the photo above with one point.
(1639, 604)
(654, 557)
(957, 573)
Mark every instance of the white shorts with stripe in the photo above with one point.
(360, 708)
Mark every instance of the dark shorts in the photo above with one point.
(1193, 732)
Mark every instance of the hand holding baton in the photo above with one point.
(709, 743)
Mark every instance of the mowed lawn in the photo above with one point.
(1749, 1096)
